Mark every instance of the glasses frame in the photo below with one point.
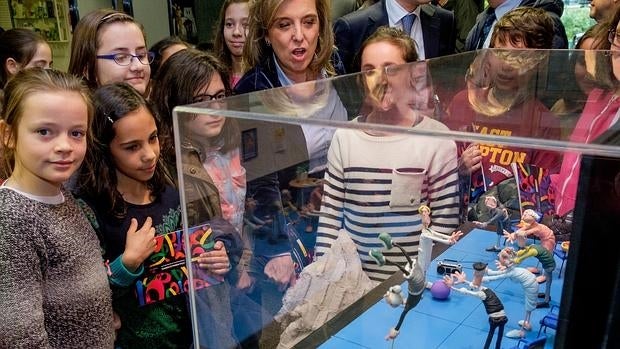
(205, 97)
(150, 58)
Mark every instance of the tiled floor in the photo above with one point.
(458, 322)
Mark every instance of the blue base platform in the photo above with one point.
(460, 322)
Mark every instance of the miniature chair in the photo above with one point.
(560, 253)
(550, 320)
(536, 343)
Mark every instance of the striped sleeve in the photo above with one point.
(443, 188)
(332, 204)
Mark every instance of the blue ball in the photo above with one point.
(440, 290)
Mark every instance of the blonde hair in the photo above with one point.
(24, 84)
(262, 17)
(424, 207)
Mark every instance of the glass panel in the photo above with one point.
(327, 193)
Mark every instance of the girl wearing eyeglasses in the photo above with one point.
(214, 179)
(109, 46)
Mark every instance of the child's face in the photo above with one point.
(51, 141)
(135, 147)
(206, 126)
(122, 37)
(388, 83)
(42, 57)
(235, 27)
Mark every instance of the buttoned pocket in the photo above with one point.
(406, 187)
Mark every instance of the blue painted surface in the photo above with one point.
(460, 321)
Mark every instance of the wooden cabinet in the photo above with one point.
(47, 17)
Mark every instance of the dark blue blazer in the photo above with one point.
(438, 30)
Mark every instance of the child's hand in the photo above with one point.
(471, 159)
(245, 281)
(139, 244)
(215, 261)
(281, 271)
(116, 322)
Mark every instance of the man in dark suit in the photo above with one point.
(433, 28)
(479, 36)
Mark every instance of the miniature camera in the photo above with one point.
(448, 266)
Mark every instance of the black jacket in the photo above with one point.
(554, 8)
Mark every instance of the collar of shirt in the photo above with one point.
(499, 12)
(505, 7)
(284, 80)
(396, 14)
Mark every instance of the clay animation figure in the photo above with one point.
(542, 251)
(416, 282)
(508, 269)
(428, 237)
(492, 304)
(499, 217)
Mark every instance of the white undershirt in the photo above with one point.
(50, 200)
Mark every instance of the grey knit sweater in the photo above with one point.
(54, 291)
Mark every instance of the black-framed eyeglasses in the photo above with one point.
(207, 97)
(124, 59)
(389, 70)
(611, 37)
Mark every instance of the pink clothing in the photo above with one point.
(542, 233)
(229, 177)
(599, 114)
(234, 79)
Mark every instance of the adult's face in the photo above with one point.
(294, 35)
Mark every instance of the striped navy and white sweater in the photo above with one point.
(376, 184)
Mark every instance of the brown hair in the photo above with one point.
(262, 16)
(159, 47)
(532, 27)
(97, 179)
(21, 45)
(603, 71)
(396, 37)
(180, 78)
(220, 48)
(26, 83)
(83, 61)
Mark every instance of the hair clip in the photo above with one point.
(109, 118)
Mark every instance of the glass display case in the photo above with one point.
(48, 18)
(350, 186)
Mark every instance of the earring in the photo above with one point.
(268, 42)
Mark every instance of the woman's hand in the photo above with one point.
(139, 244)
(215, 261)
